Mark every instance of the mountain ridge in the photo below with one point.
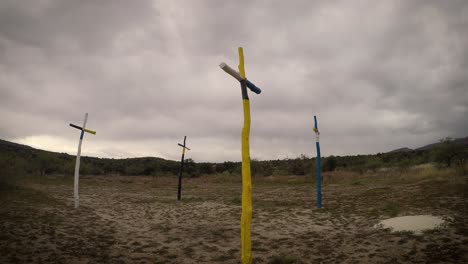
(4, 144)
(463, 141)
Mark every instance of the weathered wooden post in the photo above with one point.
(319, 170)
(179, 189)
(77, 164)
(246, 218)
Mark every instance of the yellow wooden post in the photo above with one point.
(246, 219)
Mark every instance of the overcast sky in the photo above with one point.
(379, 75)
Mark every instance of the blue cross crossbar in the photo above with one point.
(237, 76)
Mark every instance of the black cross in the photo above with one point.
(181, 168)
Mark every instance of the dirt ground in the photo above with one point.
(138, 220)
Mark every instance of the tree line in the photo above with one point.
(22, 160)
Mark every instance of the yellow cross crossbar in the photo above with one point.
(85, 130)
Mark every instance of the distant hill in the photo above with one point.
(11, 145)
(17, 159)
(21, 159)
(15, 147)
(400, 150)
(462, 141)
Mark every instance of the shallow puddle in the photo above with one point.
(415, 223)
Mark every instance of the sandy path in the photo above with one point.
(138, 220)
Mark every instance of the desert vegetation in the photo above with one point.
(130, 217)
(22, 160)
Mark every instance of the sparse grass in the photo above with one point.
(139, 218)
(392, 209)
(436, 230)
(275, 204)
(40, 214)
(356, 182)
(218, 234)
(172, 256)
(462, 231)
(6, 186)
(237, 200)
(191, 199)
(282, 259)
(16, 195)
(404, 233)
(223, 258)
(390, 176)
(188, 252)
(51, 180)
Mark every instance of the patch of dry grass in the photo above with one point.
(138, 219)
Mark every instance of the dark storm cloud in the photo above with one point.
(57, 25)
(379, 74)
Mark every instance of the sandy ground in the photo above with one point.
(138, 220)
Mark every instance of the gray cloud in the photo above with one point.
(379, 75)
